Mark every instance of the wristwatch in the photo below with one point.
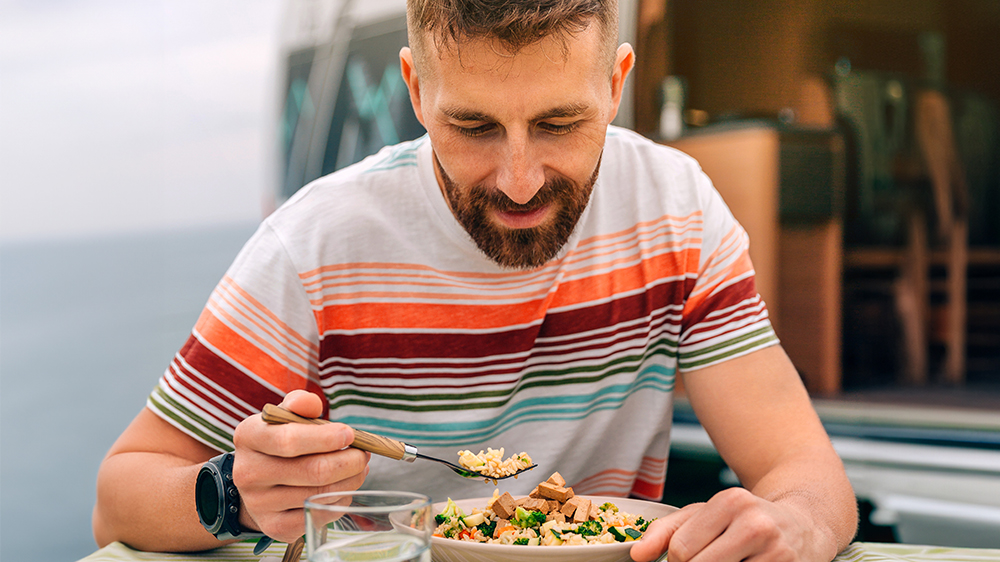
(218, 502)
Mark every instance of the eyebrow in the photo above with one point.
(562, 111)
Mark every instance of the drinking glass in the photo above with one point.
(368, 525)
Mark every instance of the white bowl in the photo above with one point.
(450, 550)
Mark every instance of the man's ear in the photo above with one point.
(409, 72)
(624, 62)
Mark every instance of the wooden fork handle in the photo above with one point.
(362, 439)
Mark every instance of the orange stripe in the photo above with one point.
(482, 314)
(391, 316)
(647, 490)
(626, 279)
(309, 355)
(244, 353)
(626, 236)
(740, 267)
(313, 348)
(497, 293)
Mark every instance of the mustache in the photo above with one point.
(551, 190)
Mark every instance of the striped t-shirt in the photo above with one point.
(365, 289)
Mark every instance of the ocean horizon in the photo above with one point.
(86, 328)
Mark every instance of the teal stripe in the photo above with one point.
(351, 397)
(531, 410)
(403, 154)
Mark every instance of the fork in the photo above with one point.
(377, 444)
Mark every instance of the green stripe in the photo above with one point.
(727, 343)
(460, 400)
(754, 344)
(223, 445)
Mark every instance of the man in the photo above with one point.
(524, 276)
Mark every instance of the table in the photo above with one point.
(856, 552)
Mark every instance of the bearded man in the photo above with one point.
(525, 275)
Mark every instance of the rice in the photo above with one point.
(491, 463)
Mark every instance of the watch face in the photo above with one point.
(208, 494)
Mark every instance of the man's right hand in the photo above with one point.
(277, 467)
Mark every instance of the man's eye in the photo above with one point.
(476, 131)
(556, 129)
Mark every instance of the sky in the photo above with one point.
(120, 116)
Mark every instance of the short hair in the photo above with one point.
(516, 24)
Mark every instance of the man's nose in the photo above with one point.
(520, 173)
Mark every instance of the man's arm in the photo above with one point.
(800, 501)
(145, 485)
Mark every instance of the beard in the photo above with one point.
(519, 248)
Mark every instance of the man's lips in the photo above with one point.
(523, 219)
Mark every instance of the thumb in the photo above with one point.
(654, 541)
(303, 403)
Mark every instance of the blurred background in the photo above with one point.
(858, 142)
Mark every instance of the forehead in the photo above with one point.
(555, 67)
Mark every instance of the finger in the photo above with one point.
(700, 529)
(657, 536)
(293, 439)
(303, 403)
(260, 471)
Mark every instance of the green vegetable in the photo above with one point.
(608, 506)
(633, 533)
(473, 520)
(524, 518)
(440, 518)
(642, 524)
(618, 534)
(487, 527)
(521, 541)
(589, 528)
(450, 510)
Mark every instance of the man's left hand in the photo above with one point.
(734, 525)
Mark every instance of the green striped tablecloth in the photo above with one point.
(857, 552)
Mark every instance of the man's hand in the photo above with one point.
(278, 466)
(734, 525)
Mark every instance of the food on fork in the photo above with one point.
(551, 515)
(491, 463)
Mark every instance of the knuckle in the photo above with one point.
(679, 550)
(760, 525)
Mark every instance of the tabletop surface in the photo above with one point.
(856, 552)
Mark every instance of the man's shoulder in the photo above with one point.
(630, 146)
(362, 183)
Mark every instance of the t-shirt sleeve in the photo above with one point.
(724, 317)
(255, 341)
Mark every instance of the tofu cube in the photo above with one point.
(557, 480)
(553, 492)
(504, 506)
(582, 512)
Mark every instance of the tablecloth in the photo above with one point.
(856, 552)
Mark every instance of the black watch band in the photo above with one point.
(218, 500)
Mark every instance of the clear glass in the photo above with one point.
(355, 526)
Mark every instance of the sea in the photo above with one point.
(86, 328)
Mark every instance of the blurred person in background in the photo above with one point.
(525, 275)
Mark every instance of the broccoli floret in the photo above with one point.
(525, 518)
(440, 518)
(521, 541)
(450, 532)
(487, 527)
(642, 524)
(589, 528)
(450, 510)
(608, 506)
